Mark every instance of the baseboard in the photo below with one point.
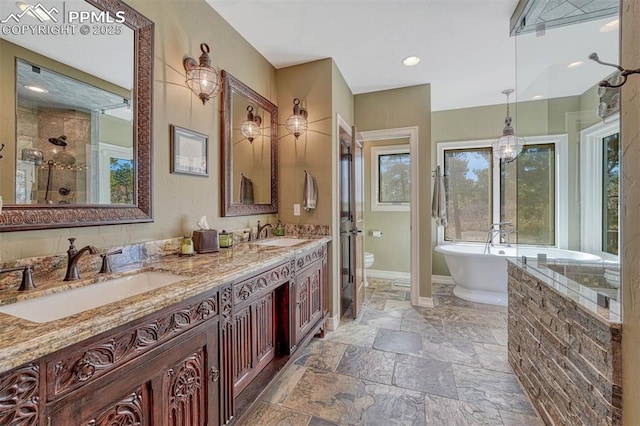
(389, 275)
(333, 322)
(442, 279)
(426, 302)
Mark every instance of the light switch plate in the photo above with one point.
(296, 209)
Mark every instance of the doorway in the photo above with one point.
(412, 134)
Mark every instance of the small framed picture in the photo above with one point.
(188, 152)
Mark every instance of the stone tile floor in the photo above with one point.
(400, 365)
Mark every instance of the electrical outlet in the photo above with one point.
(296, 209)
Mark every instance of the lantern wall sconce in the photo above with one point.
(297, 122)
(201, 77)
(509, 146)
(250, 129)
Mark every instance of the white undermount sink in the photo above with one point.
(59, 305)
(282, 242)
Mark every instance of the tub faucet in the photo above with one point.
(73, 255)
(497, 229)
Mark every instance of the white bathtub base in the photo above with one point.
(479, 296)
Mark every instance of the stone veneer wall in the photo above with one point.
(567, 358)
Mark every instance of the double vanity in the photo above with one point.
(183, 341)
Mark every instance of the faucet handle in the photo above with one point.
(106, 265)
(27, 279)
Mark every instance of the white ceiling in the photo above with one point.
(466, 51)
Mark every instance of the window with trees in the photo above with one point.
(390, 178)
(599, 190)
(482, 190)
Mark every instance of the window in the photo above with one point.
(610, 177)
(599, 176)
(527, 195)
(390, 178)
(482, 191)
(469, 200)
(117, 175)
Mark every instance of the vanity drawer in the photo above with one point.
(82, 363)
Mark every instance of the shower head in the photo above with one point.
(61, 141)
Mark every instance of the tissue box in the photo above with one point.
(206, 241)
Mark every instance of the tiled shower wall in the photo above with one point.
(568, 359)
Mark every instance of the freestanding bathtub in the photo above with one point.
(482, 277)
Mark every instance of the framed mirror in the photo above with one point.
(79, 150)
(249, 151)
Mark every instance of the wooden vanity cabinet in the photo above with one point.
(310, 293)
(162, 369)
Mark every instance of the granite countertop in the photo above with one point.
(22, 341)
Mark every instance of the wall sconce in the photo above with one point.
(202, 78)
(297, 123)
(508, 146)
(250, 129)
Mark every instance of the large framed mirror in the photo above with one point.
(249, 151)
(78, 135)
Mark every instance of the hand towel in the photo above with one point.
(439, 203)
(310, 195)
(246, 190)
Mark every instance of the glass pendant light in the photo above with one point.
(250, 129)
(508, 146)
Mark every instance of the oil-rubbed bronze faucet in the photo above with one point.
(106, 265)
(262, 228)
(27, 276)
(73, 255)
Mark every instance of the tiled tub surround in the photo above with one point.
(567, 354)
(22, 341)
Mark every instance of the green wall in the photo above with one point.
(407, 107)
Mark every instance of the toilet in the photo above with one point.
(368, 262)
(368, 259)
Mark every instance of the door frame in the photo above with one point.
(396, 133)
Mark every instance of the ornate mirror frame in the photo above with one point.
(232, 84)
(28, 217)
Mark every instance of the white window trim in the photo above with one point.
(376, 152)
(561, 142)
(591, 187)
(108, 151)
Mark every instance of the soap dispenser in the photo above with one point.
(226, 239)
(279, 231)
(186, 246)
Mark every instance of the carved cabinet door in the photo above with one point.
(190, 382)
(309, 299)
(176, 385)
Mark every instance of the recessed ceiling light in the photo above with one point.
(575, 64)
(536, 97)
(36, 89)
(411, 61)
(611, 26)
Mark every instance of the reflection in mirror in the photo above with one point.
(250, 159)
(74, 140)
(249, 146)
(78, 150)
